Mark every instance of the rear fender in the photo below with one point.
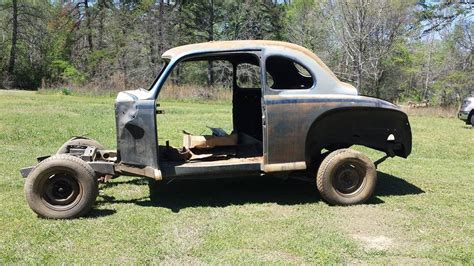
(384, 129)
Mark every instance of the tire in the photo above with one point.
(346, 177)
(61, 187)
(472, 120)
(79, 141)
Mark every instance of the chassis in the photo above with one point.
(304, 122)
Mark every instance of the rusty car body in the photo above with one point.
(304, 121)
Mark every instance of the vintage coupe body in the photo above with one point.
(300, 119)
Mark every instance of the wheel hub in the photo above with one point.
(61, 189)
(348, 179)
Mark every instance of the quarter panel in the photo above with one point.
(290, 118)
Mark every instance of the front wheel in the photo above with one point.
(61, 187)
(346, 177)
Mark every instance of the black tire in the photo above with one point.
(472, 120)
(346, 177)
(61, 187)
(79, 141)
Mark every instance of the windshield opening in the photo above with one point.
(160, 72)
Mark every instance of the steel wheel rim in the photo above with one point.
(61, 191)
(349, 178)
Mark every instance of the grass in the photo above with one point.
(422, 211)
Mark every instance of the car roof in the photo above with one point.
(240, 45)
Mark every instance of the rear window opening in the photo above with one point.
(287, 74)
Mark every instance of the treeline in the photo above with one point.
(398, 50)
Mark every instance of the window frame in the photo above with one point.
(172, 63)
(294, 60)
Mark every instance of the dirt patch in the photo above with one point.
(269, 256)
(181, 260)
(374, 227)
(277, 211)
(281, 257)
(397, 260)
(186, 237)
(183, 237)
(375, 242)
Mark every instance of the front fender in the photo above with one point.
(136, 128)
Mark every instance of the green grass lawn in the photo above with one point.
(422, 211)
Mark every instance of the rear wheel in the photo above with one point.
(346, 177)
(61, 187)
(472, 120)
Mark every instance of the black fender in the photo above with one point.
(468, 121)
(384, 129)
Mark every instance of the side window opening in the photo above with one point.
(231, 129)
(286, 74)
(189, 81)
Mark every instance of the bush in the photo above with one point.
(66, 72)
(66, 91)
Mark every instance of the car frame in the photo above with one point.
(306, 127)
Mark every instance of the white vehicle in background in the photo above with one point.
(466, 112)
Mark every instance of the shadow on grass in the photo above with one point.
(96, 213)
(389, 185)
(181, 194)
(136, 181)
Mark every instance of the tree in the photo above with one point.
(437, 15)
(23, 21)
(393, 49)
(367, 31)
(11, 62)
(254, 20)
(201, 18)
